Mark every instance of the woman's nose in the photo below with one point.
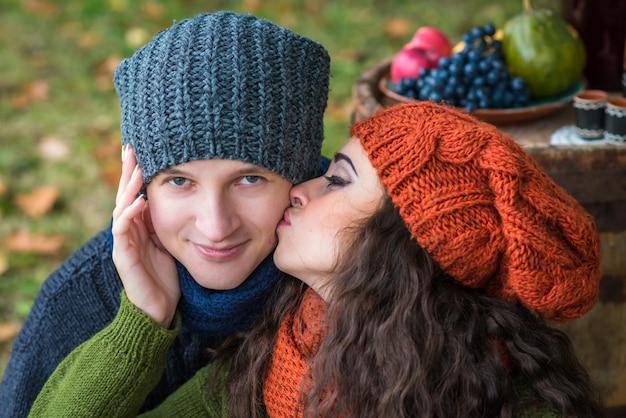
(300, 195)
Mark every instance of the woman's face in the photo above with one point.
(310, 234)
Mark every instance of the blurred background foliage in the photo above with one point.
(59, 114)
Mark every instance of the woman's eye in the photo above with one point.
(250, 179)
(336, 181)
(178, 181)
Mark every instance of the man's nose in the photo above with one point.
(217, 217)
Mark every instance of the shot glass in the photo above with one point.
(615, 120)
(589, 115)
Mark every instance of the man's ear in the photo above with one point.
(147, 218)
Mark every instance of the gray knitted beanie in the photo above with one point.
(227, 86)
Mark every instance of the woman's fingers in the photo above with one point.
(129, 164)
(127, 216)
(147, 270)
(127, 168)
(127, 193)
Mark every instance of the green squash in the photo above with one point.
(542, 49)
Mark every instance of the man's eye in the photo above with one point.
(250, 179)
(178, 181)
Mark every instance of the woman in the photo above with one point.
(427, 261)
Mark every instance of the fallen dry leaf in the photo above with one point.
(338, 111)
(399, 28)
(38, 90)
(105, 70)
(8, 331)
(252, 5)
(53, 148)
(111, 148)
(3, 187)
(30, 93)
(70, 29)
(38, 202)
(25, 242)
(109, 159)
(110, 173)
(4, 263)
(107, 66)
(41, 7)
(89, 40)
(153, 10)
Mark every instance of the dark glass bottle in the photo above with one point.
(601, 25)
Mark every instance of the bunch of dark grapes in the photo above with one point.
(474, 78)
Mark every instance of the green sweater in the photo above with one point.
(111, 374)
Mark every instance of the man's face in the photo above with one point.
(218, 217)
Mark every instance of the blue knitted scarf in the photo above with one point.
(219, 313)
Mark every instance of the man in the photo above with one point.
(224, 113)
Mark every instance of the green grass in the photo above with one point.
(65, 45)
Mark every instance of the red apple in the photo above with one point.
(408, 62)
(431, 38)
(423, 51)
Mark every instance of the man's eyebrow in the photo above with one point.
(340, 156)
(253, 170)
(170, 171)
(248, 169)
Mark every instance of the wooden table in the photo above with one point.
(594, 174)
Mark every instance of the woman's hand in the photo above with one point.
(146, 269)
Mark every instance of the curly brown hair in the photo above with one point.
(405, 340)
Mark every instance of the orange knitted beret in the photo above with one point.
(483, 209)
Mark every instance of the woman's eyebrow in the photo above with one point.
(340, 156)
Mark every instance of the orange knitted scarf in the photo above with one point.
(297, 342)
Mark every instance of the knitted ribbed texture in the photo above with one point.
(227, 86)
(483, 209)
(297, 342)
(219, 313)
(142, 357)
(111, 373)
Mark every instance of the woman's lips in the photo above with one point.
(286, 221)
